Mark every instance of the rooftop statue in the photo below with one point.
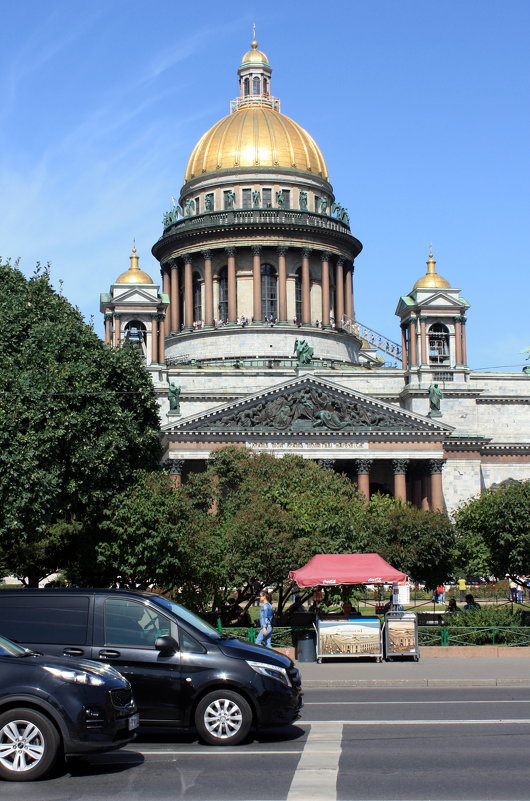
(304, 352)
(435, 397)
(174, 397)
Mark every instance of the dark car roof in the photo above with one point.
(77, 590)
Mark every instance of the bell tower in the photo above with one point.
(433, 318)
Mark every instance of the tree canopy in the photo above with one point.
(76, 419)
(494, 531)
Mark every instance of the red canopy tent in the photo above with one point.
(326, 569)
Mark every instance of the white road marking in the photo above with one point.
(214, 752)
(420, 722)
(316, 774)
(409, 703)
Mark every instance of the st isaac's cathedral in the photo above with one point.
(252, 338)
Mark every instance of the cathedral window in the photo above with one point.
(298, 295)
(246, 87)
(317, 204)
(135, 334)
(269, 286)
(247, 198)
(265, 87)
(267, 198)
(197, 298)
(197, 205)
(223, 294)
(438, 343)
(256, 89)
(286, 198)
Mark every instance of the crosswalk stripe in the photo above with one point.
(316, 774)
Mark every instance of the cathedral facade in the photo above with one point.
(251, 335)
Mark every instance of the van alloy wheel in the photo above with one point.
(223, 718)
(29, 744)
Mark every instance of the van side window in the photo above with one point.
(188, 644)
(132, 624)
(55, 620)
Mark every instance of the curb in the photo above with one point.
(413, 683)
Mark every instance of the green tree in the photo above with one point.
(76, 419)
(494, 531)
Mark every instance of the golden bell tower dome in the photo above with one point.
(134, 275)
(431, 279)
(255, 134)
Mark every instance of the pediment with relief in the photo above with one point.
(312, 406)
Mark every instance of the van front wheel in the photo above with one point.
(223, 718)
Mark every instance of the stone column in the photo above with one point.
(176, 468)
(363, 476)
(161, 340)
(306, 288)
(154, 339)
(175, 298)
(282, 285)
(399, 467)
(325, 289)
(425, 493)
(404, 359)
(437, 498)
(188, 292)
(464, 349)
(348, 292)
(116, 329)
(458, 342)
(256, 283)
(232, 290)
(413, 343)
(339, 293)
(208, 289)
(423, 340)
(165, 280)
(108, 329)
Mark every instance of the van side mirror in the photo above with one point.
(166, 645)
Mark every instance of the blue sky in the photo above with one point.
(421, 109)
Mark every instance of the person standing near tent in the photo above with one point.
(265, 620)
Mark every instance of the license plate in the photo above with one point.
(134, 722)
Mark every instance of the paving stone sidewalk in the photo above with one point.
(427, 672)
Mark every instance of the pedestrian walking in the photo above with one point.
(462, 587)
(265, 620)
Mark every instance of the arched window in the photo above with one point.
(269, 304)
(246, 87)
(135, 334)
(438, 343)
(197, 300)
(298, 295)
(255, 85)
(265, 87)
(223, 294)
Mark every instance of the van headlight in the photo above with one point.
(271, 671)
(75, 676)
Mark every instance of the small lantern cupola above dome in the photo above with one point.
(134, 275)
(255, 79)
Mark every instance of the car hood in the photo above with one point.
(67, 662)
(244, 650)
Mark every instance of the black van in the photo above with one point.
(183, 672)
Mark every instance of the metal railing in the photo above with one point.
(253, 216)
(379, 341)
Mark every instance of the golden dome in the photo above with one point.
(431, 279)
(254, 56)
(256, 136)
(134, 275)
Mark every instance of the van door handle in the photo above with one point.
(107, 653)
(73, 652)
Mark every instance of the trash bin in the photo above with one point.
(305, 647)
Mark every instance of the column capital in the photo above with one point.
(108, 316)
(326, 464)
(436, 465)
(341, 260)
(400, 465)
(306, 252)
(363, 465)
(187, 258)
(230, 251)
(206, 254)
(256, 249)
(325, 255)
(174, 466)
(159, 316)
(282, 250)
(173, 264)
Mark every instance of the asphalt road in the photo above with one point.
(446, 744)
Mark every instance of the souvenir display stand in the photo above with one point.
(341, 635)
(401, 635)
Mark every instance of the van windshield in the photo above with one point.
(188, 617)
